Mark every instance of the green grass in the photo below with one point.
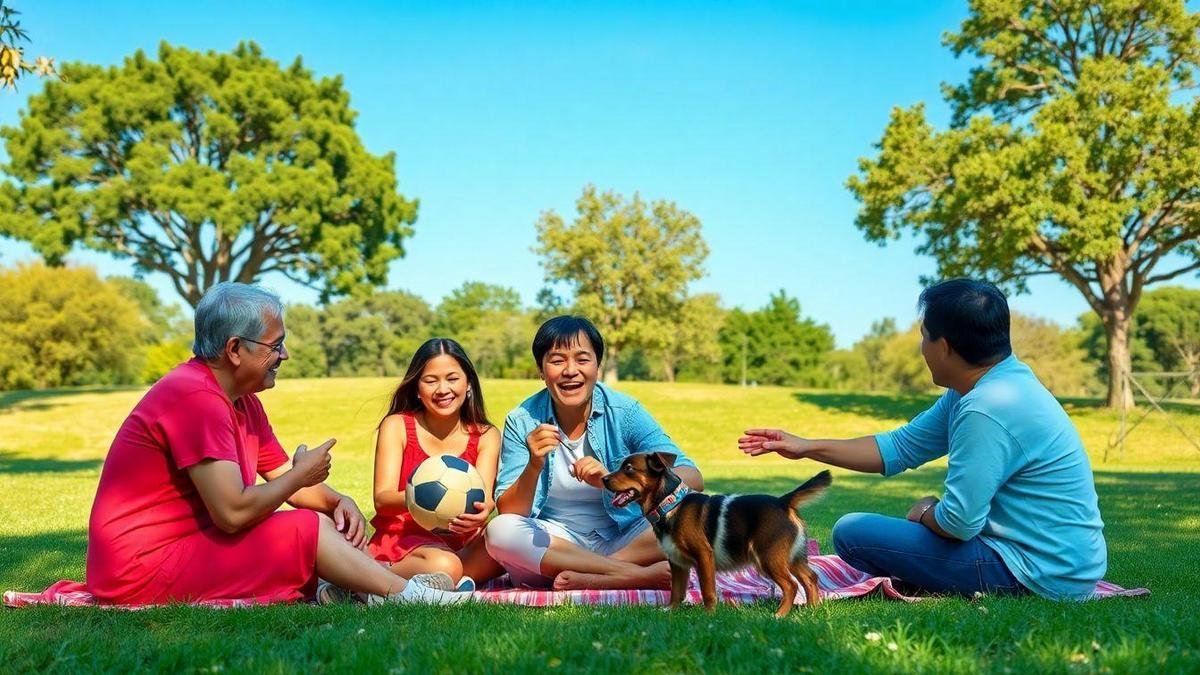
(53, 443)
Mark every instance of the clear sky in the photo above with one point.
(751, 116)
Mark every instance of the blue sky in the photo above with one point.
(751, 116)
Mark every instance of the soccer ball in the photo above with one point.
(441, 489)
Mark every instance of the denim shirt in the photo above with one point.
(1018, 478)
(618, 427)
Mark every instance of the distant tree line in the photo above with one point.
(69, 327)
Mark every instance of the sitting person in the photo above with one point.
(557, 525)
(1019, 512)
(178, 516)
(436, 410)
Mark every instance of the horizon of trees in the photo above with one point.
(62, 322)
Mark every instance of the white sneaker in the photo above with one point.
(416, 592)
(465, 585)
(438, 580)
(329, 593)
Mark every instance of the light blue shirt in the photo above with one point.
(1018, 478)
(574, 504)
(618, 427)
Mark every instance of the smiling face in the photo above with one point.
(570, 371)
(442, 387)
(259, 363)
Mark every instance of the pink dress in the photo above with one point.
(150, 537)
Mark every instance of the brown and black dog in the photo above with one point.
(720, 532)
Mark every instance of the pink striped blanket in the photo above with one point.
(838, 580)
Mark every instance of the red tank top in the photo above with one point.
(414, 454)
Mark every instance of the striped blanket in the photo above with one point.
(838, 580)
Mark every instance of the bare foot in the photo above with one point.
(656, 576)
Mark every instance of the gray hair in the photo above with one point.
(230, 309)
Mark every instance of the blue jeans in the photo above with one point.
(883, 546)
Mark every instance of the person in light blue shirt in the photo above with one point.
(1019, 512)
(557, 524)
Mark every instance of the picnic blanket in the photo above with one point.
(837, 579)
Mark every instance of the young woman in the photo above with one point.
(437, 409)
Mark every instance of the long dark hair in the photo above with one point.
(473, 413)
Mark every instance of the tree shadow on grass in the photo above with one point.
(12, 463)
(41, 399)
(1183, 407)
(886, 406)
(31, 562)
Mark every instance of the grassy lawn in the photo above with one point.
(53, 444)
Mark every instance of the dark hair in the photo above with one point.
(405, 400)
(973, 317)
(561, 331)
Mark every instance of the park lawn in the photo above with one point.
(53, 443)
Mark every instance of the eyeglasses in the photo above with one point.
(277, 347)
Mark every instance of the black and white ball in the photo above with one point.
(441, 489)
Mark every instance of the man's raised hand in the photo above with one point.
(313, 465)
(542, 440)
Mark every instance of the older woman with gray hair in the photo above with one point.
(178, 515)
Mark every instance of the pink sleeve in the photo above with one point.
(271, 454)
(199, 426)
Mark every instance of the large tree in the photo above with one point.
(1073, 151)
(206, 167)
(628, 265)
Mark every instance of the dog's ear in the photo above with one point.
(660, 461)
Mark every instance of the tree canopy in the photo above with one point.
(205, 167)
(1073, 151)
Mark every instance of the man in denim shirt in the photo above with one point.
(1019, 513)
(557, 525)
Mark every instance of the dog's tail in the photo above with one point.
(812, 489)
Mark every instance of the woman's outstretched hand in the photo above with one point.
(762, 441)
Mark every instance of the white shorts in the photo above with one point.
(519, 543)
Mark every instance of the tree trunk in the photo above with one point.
(1116, 327)
(669, 368)
(1191, 360)
(610, 365)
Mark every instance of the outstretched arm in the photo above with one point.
(857, 454)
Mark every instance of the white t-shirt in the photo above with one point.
(571, 502)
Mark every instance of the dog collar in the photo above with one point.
(667, 505)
